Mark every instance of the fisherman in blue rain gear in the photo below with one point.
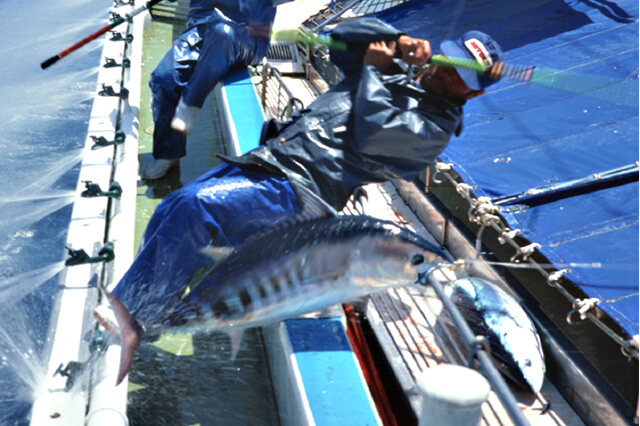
(376, 124)
(220, 35)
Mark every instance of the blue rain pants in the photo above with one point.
(198, 60)
(223, 207)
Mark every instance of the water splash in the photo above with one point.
(22, 364)
(12, 290)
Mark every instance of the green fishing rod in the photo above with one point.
(498, 70)
(116, 21)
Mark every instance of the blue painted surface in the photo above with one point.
(522, 136)
(244, 108)
(331, 378)
(323, 354)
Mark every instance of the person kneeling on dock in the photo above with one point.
(376, 124)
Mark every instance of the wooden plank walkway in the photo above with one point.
(416, 335)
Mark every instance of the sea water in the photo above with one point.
(43, 125)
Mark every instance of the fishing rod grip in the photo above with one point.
(52, 60)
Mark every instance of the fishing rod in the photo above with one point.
(587, 84)
(116, 21)
(496, 71)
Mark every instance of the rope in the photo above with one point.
(582, 307)
(484, 213)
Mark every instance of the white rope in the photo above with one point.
(507, 235)
(525, 252)
(484, 213)
(582, 307)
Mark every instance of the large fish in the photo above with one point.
(514, 341)
(298, 266)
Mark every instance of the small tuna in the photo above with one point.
(515, 344)
(298, 266)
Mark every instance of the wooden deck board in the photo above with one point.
(411, 319)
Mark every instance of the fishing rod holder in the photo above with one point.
(80, 257)
(101, 141)
(94, 190)
(108, 91)
(116, 36)
(117, 18)
(71, 372)
(111, 63)
(74, 369)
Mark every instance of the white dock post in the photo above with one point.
(452, 395)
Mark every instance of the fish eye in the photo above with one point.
(417, 259)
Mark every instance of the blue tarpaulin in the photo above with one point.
(575, 124)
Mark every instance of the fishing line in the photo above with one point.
(575, 265)
(453, 23)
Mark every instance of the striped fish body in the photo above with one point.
(303, 266)
(516, 348)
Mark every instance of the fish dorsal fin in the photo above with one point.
(218, 253)
(313, 207)
(236, 338)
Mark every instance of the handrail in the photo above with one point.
(276, 98)
(482, 212)
(476, 345)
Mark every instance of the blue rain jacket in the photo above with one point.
(240, 11)
(223, 207)
(369, 128)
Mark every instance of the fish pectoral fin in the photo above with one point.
(313, 207)
(130, 332)
(218, 253)
(236, 338)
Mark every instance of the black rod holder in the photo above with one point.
(111, 63)
(80, 257)
(94, 190)
(115, 36)
(108, 91)
(74, 369)
(101, 141)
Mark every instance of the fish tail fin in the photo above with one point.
(130, 335)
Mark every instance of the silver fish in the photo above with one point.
(298, 266)
(515, 344)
